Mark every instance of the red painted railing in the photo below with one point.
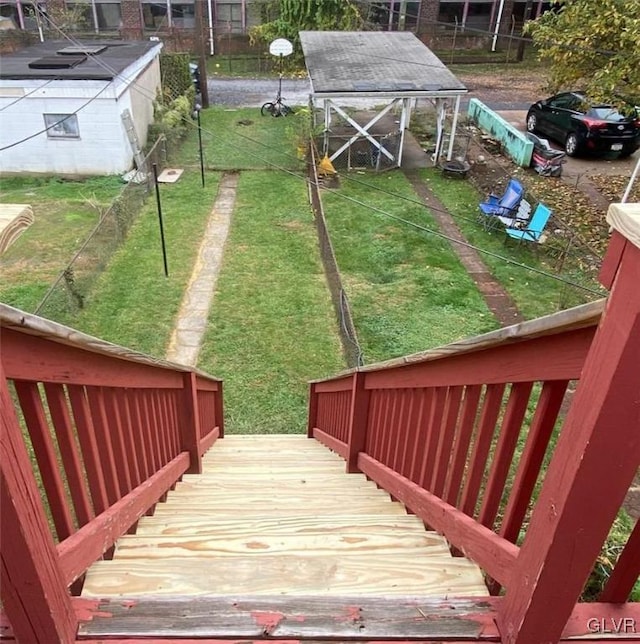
(460, 433)
(110, 431)
(470, 437)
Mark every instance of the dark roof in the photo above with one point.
(393, 62)
(115, 57)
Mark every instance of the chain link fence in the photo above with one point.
(362, 154)
(68, 293)
(348, 337)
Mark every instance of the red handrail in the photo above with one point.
(111, 431)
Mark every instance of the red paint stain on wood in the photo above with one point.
(352, 614)
(87, 609)
(267, 620)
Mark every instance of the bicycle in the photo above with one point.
(277, 107)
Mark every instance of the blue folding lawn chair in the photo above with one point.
(505, 206)
(532, 232)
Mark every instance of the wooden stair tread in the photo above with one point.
(146, 547)
(276, 497)
(273, 475)
(250, 528)
(287, 575)
(280, 515)
(265, 485)
(164, 509)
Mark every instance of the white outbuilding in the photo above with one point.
(77, 109)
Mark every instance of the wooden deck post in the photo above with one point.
(596, 458)
(190, 425)
(312, 417)
(358, 418)
(220, 410)
(34, 594)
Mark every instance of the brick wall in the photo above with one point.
(429, 10)
(132, 27)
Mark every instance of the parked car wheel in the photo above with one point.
(532, 122)
(571, 144)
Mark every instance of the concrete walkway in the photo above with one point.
(186, 338)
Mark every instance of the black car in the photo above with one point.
(583, 127)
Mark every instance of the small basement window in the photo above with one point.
(62, 126)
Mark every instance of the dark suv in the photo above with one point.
(583, 127)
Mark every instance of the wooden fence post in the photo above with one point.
(190, 425)
(596, 458)
(358, 418)
(34, 594)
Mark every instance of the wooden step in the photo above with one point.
(249, 496)
(317, 485)
(279, 515)
(286, 575)
(282, 510)
(135, 547)
(244, 528)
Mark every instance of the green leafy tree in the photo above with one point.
(591, 45)
(306, 15)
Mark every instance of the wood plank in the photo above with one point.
(300, 470)
(231, 475)
(294, 485)
(347, 618)
(382, 574)
(245, 528)
(284, 509)
(363, 543)
(253, 499)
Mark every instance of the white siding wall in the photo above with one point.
(141, 94)
(103, 147)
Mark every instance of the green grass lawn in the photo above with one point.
(535, 294)
(133, 303)
(408, 290)
(241, 139)
(65, 213)
(272, 326)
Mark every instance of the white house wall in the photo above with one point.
(140, 95)
(103, 146)
(99, 148)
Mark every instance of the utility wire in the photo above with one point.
(374, 208)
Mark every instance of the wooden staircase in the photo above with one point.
(275, 515)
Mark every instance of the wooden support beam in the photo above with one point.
(190, 423)
(358, 420)
(33, 591)
(594, 463)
